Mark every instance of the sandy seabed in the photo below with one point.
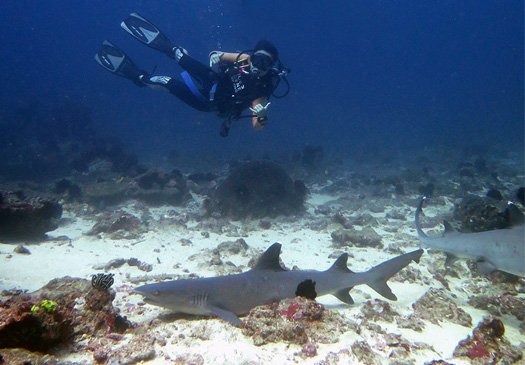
(181, 249)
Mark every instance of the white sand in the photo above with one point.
(218, 342)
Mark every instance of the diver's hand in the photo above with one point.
(259, 117)
(215, 57)
(260, 110)
(259, 123)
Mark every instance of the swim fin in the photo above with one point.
(147, 33)
(116, 61)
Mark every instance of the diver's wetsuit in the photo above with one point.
(235, 88)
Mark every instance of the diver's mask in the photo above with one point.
(262, 62)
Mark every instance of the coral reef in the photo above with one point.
(298, 321)
(158, 187)
(123, 351)
(500, 305)
(18, 356)
(111, 152)
(24, 218)
(378, 310)
(116, 263)
(435, 306)
(202, 183)
(60, 312)
(257, 189)
(68, 190)
(118, 225)
(366, 237)
(487, 345)
(477, 214)
(152, 187)
(364, 353)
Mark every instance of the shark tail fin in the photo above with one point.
(379, 275)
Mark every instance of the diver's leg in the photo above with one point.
(177, 88)
(200, 72)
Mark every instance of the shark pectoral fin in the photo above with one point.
(382, 288)
(225, 315)
(484, 266)
(344, 296)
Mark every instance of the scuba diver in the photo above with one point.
(232, 83)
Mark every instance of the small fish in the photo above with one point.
(102, 281)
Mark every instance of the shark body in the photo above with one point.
(500, 249)
(232, 295)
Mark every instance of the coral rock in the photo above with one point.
(79, 309)
(118, 225)
(487, 345)
(478, 214)
(435, 306)
(379, 310)
(258, 189)
(298, 320)
(366, 237)
(499, 305)
(26, 219)
(364, 353)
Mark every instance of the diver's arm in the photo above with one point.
(259, 110)
(229, 56)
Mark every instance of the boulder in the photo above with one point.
(24, 218)
(257, 189)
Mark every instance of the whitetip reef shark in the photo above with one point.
(499, 249)
(232, 295)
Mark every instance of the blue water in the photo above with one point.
(365, 74)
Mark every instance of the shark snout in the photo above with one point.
(150, 295)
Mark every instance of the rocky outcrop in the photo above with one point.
(257, 189)
(56, 314)
(24, 218)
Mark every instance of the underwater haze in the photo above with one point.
(132, 231)
(365, 75)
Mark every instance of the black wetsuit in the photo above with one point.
(235, 89)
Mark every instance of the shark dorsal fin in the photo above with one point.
(340, 264)
(448, 228)
(269, 260)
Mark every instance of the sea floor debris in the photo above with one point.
(364, 210)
